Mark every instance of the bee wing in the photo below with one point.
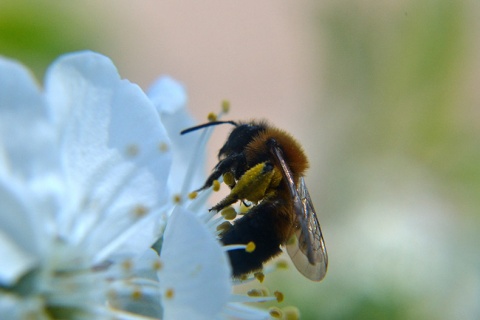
(307, 250)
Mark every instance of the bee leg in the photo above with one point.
(222, 167)
(252, 186)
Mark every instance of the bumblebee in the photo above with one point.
(265, 166)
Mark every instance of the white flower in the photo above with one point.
(83, 171)
(87, 185)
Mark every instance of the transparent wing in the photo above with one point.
(307, 248)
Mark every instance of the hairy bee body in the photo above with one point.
(267, 165)
(264, 225)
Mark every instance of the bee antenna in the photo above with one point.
(208, 124)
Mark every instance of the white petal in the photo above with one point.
(242, 311)
(28, 164)
(27, 144)
(195, 268)
(15, 261)
(142, 275)
(169, 97)
(9, 307)
(115, 154)
(14, 308)
(20, 236)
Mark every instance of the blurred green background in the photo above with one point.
(382, 95)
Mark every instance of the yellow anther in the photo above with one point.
(250, 247)
(229, 179)
(224, 226)
(255, 293)
(127, 265)
(212, 117)
(169, 293)
(260, 276)
(291, 313)
(216, 185)
(243, 277)
(282, 264)
(177, 199)
(140, 210)
(163, 146)
(137, 294)
(275, 313)
(192, 195)
(225, 106)
(229, 213)
(279, 296)
(132, 150)
(157, 265)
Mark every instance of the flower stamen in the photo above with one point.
(229, 179)
(257, 293)
(157, 265)
(137, 294)
(140, 211)
(169, 293)
(229, 213)
(276, 312)
(222, 227)
(163, 147)
(291, 313)
(177, 199)
(216, 185)
(279, 295)
(225, 106)
(127, 265)
(132, 150)
(212, 117)
(260, 276)
(250, 247)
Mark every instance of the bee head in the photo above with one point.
(240, 136)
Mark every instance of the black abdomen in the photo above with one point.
(258, 226)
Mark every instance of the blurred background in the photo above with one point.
(382, 95)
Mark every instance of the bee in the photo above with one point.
(265, 166)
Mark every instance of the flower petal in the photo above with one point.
(27, 144)
(242, 311)
(167, 95)
(195, 278)
(170, 98)
(28, 160)
(20, 238)
(14, 308)
(115, 154)
(15, 261)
